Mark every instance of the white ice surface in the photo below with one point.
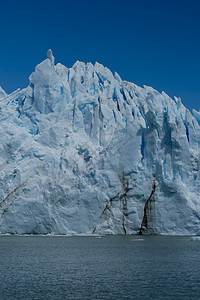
(83, 151)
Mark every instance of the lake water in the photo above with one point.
(110, 267)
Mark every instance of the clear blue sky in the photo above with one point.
(151, 42)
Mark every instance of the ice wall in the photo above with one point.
(84, 152)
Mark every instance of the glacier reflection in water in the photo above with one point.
(110, 267)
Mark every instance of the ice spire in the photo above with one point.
(50, 56)
(2, 93)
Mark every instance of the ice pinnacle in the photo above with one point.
(50, 56)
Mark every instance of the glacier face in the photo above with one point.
(84, 152)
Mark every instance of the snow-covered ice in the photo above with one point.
(83, 151)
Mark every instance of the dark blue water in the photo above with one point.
(111, 267)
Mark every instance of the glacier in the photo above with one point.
(84, 152)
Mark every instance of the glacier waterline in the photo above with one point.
(81, 151)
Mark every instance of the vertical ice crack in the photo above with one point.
(101, 121)
(148, 221)
(123, 199)
(143, 145)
